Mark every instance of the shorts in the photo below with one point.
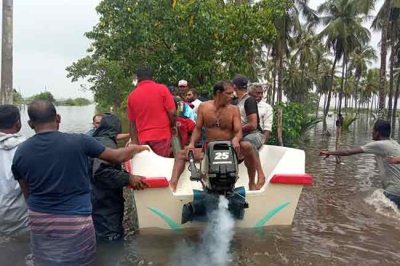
(394, 198)
(159, 147)
(257, 139)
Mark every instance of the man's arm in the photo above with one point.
(348, 152)
(266, 134)
(123, 136)
(199, 125)
(251, 125)
(237, 124)
(133, 133)
(24, 188)
(172, 121)
(121, 155)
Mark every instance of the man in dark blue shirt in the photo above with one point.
(52, 169)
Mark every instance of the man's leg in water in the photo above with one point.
(179, 165)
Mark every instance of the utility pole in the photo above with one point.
(6, 91)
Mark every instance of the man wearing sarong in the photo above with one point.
(52, 170)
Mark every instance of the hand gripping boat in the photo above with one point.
(198, 191)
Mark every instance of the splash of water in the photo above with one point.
(216, 239)
(383, 205)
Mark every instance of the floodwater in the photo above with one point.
(342, 219)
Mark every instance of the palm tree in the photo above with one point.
(381, 22)
(359, 61)
(343, 32)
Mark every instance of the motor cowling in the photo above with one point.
(220, 166)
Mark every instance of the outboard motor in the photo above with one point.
(218, 175)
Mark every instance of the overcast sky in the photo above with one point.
(48, 37)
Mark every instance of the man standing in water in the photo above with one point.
(221, 121)
(52, 170)
(13, 211)
(382, 147)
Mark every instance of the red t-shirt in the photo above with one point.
(148, 107)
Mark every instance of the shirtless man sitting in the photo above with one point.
(221, 121)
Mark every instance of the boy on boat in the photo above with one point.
(52, 170)
(383, 148)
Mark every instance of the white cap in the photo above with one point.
(182, 83)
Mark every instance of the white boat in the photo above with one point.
(274, 204)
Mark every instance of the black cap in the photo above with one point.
(240, 81)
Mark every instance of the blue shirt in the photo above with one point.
(55, 167)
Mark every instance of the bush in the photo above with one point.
(295, 123)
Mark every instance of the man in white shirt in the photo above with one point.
(265, 111)
(13, 210)
(191, 96)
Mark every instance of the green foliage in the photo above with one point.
(200, 41)
(347, 121)
(45, 96)
(295, 123)
(74, 102)
(17, 98)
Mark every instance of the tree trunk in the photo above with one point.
(6, 92)
(356, 95)
(280, 78)
(341, 86)
(382, 73)
(319, 100)
(392, 48)
(396, 97)
(274, 87)
(325, 127)
(280, 125)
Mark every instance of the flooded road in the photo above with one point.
(342, 219)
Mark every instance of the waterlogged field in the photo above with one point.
(343, 219)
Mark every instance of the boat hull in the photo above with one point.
(274, 204)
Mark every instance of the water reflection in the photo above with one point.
(342, 219)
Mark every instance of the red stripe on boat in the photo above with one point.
(295, 179)
(128, 166)
(155, 182)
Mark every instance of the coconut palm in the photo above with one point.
(382, 21)
(343, 32)
(360, 59)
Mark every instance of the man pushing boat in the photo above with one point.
(386, 151)
(221, 121)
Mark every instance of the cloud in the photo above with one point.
(48, 37)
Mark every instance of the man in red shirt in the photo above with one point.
(152, 113)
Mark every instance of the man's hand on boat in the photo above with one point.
(138, 182)
(122, 155)
(236, 145)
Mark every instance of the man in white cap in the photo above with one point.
(182, 89)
